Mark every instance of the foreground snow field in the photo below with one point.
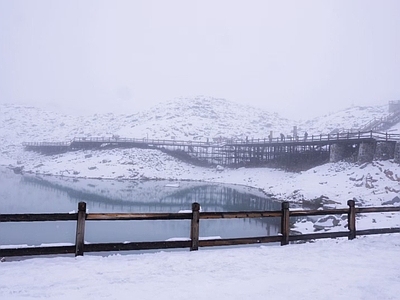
(365, 268)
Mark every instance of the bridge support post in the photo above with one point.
(397, 153)
(337, 152)
(384, 150)
(366, 152)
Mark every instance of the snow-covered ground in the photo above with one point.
(364, 268)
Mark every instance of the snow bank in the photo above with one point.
(365, 268)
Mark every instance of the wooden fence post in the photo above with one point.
(351, 219)
(194, 227)
(80, 229)
(285, 223)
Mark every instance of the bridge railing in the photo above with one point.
(50, 144)
(194, 241)
(380, 136)
(138, 141)
(385, 136)
(382, 123)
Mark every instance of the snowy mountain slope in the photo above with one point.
(188, 119)
(347, 120)
(395, 129)
(201, 118)
(184, 119)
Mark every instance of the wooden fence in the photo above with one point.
(195, 216)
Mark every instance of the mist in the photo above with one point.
(298, 58)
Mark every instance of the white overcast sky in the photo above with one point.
(299, 58)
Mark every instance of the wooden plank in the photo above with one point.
(29, 251)
(136, 246)
(298, 213)
(351, 219)
(80, 229)
(323, 235)
(138, 216)
(378, 231)
(38, 217)
(240, 241)
(194, 227)
(377, 209)
(305, 213)
(285, 223)
(238, 214)
(182, 244)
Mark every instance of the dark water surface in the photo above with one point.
(32, 194)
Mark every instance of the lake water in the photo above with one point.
(33, 194)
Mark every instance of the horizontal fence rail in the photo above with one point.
(194, 242)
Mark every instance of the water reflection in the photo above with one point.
(51, 194)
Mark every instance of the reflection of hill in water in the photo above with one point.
(34, 194)
(154, 195)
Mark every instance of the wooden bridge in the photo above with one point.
(280, 152)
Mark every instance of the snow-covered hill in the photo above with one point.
(201, 118)
(351, 119)
(185, 119)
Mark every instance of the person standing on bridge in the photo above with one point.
(305, 136)
(282, 137)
